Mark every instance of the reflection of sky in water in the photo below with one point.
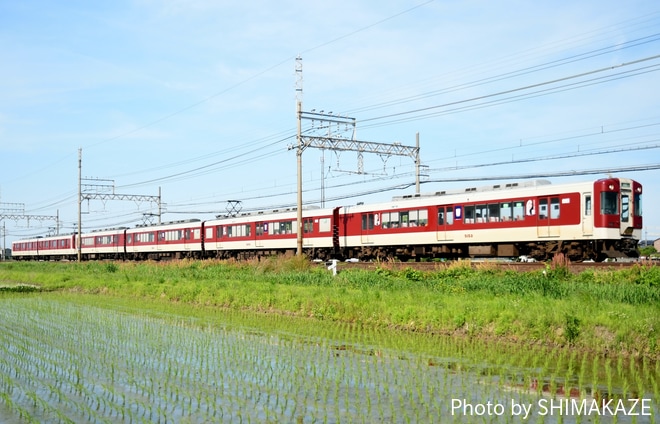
(93, 365)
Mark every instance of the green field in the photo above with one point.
(613, 312)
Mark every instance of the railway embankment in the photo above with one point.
(608, 311)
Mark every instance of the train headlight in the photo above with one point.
(639, 190)
(611, 186)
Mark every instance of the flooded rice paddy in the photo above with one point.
(65, 361)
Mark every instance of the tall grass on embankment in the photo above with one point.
(611, 311)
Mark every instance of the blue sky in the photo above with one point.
(197, 97)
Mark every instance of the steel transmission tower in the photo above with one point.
(102, 189)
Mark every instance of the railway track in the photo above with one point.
(574, 267)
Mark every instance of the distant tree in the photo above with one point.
(647, 251)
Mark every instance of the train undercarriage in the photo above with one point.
(575, 250)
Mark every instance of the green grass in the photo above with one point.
(599, 311)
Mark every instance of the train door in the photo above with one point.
(587, 216)
(548, 217)
(261, 229)
(368, 223)
(445, 222)
(160, 240)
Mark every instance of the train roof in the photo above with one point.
(481, 189)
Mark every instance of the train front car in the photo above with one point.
(617, 217)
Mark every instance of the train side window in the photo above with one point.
(625, 207)
(259, 228)
(422, 217)
(637, 204)
(445, 215)
(394, 219)
(518, 211)
(368, 221)
(494, 212)
(325, 225)
(481, 213)
(543, 208)
(554, 208)
(587, 205)
(469, 215)
(506, 212)
(404, 218)
(308, 226)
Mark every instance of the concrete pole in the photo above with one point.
(417, 164)
(79, 236)
(299, 153)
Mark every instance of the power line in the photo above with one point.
(513, 90)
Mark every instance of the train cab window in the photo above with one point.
(554, 208)
(637, 205)
(609, 203)
(625, 208)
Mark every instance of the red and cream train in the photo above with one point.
(589, 220)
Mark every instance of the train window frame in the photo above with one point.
(422, 217)
(625, 208)
(308, 225)
(609, 203)
(481, 213)
(506, 211)
(368, 221)
(518, 207)
(544, 208)
(325, 225)
(260, 228)
(555, 208)
(493, 212)
(469, 214)
(445, 215)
